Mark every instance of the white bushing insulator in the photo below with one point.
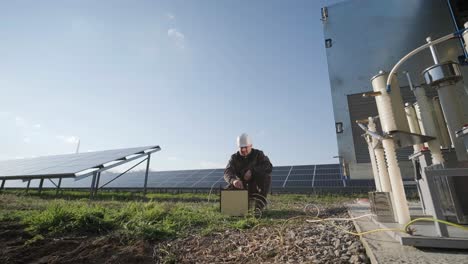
(396, 181)
(383, 170)
(371, 143)
(379, 154)
(389, 123)
(389, 105)
(428, 122)
(413, 124)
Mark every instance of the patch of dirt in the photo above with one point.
(13, 249)
(295, 241)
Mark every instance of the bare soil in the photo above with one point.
(74, 249)
(294, 241)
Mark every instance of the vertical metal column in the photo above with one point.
(58, 186)
(91, 191)
(27, 186)
(146, 173)
(96, 186)
(40, 185)
(3, 185)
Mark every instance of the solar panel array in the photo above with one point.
(64, 165)
(283, 178)
(306, 176)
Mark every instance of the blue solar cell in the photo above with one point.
(306, 184)
(302, 172)
(304, 167)
(328, 183)
(277, 183)
(300, 177)
(278, 178)
(328, 177)
(282, 168)
(327, 166)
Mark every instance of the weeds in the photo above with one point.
(160, 216)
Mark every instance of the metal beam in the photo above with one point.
(287, 177)
(122, 174)
(116, 164)
(96, 186)
(58, 186)
(40, 185)
(146, 173)
(27, 186)
(91, 191)
(52, 182)
(38, 176)
(3, 185)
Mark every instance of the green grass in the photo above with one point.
(153, 217)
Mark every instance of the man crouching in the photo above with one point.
(249, 169)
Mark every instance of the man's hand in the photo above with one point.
(248, 175)
(238, 184)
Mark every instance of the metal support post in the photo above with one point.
(27, 186)
(93, 181)
(96, 186)
(40, 185)
(146, 173)
(58, 186)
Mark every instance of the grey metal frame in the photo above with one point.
(438, 171)
(96, 173)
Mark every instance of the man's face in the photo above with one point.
(244, 151)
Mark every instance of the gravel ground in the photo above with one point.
(294, 241)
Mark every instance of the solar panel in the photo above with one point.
(301, 177)
(283, 177)
(302, 172)
(303, 167)
(328, 183)
(66, 165)
(281, 168)
(307, 184)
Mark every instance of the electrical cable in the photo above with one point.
(426, 219)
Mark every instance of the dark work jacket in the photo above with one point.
(256, 161)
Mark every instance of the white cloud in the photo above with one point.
(211, 165)
(26, 139)
(177, 37)
(170, 16)
(37, 126)
(68, 139)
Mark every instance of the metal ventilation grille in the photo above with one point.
(361, 108)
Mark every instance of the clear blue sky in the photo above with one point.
(187, 75)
